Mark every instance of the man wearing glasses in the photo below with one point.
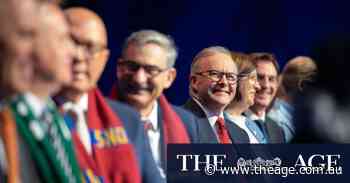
(102, 130)
(213, 83)
(145, 69)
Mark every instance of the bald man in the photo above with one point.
(297, 75)
(108, 137)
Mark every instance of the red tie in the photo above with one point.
(222, 131)
(148, 126)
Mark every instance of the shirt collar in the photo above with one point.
(212, 117)
(251, 115)
(239, 120)
(153, 116)
(82, 104)
(35, 103)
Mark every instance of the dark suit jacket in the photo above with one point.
(190, 122)
(205, 131)
(275, 132)
(135, 131)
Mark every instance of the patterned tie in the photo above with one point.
(222, 131)
(78, 116)
(148, 126)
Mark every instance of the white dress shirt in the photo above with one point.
(80, 108)
(35, 103)
(240, 122)
(251, 115)
(154, 136)
(212, 117)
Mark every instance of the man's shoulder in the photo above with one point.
(192, 107)
(121, 108)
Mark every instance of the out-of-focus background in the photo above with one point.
(286, 28)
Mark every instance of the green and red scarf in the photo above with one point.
(49, 142)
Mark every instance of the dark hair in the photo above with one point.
(258, 57)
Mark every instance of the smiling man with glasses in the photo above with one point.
(213, 83)
(144, 71)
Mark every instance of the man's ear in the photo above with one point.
(103, 56)
(170, 77)
(192, 79)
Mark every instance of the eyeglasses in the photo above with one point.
(89, 47)
(251, 77)
(132, 67)
(216, 76)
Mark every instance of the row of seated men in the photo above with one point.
(56, 126)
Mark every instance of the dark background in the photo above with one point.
(286, 28)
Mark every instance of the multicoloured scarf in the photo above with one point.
(113, 159)
(174, 129)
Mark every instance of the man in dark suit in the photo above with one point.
(102, 129)
(213, 83)
(145, 69)
(267, 68)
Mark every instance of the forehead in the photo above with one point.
(265, 67)
(87, 32)
(217, 61)
(150, 54)
(55, 22)
(25, 16)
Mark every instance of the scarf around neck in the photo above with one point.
(174, 129)
(113, 158)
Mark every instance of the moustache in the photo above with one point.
(214, 88)
(135, 88)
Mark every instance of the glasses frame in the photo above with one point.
(145, 67)
(220, 76)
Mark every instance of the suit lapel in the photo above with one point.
(237, 134)
(275, 132)
(206, 133)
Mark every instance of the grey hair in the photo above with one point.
(143, 37)
(206, 52)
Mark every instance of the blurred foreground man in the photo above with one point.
(38, 145)
(16, 54)
(102, 130)
(297, 76)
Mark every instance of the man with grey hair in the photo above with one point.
(213, 83)
(145, 69)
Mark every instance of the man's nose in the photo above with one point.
(257, 85)
(264, 83)
(140, 76)
(81, 53)
(223, 79)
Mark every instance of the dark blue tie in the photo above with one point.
(256, 131)
(263, 129)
